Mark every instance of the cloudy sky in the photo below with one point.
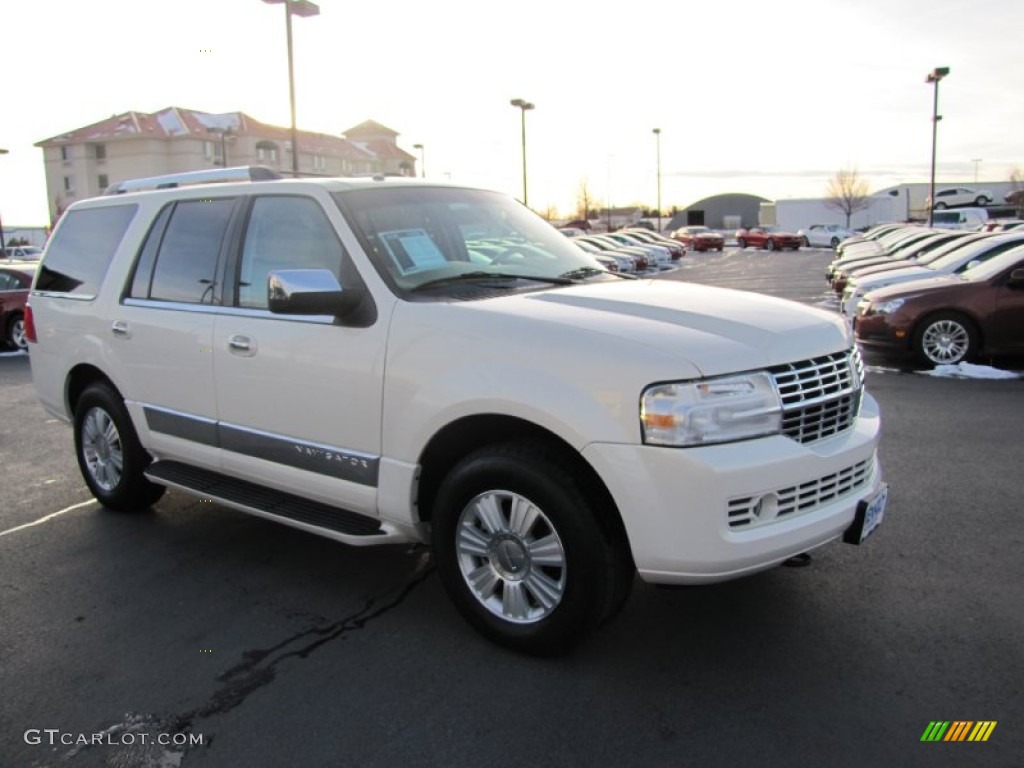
(770, 98)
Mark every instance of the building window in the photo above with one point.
(100, 151)
(104, 181)
(213, 151)
(65, 154)
(69, 184)
(319, 163)
(266, 151)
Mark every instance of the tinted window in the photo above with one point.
(82, 248)
(187, 261)
(284, 233)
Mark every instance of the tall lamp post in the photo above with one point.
(977, 162)
(657, 141)
(934, 77)
(305, 9)
(423, 160)
(3, 243)
(523, 106)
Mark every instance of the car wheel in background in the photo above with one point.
(982, 201)
(946, 338)
(940, 206)
(15, 335)
(770, 244)
(834, 243)
(529, 557)
(807, 243)
(742, 243)
(109, 454)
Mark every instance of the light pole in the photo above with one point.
(423, 160)
(657, 141)
(302, 8)
(3, 243)
(934, 77)
(977, 162)
(224, 133)
(523, 106)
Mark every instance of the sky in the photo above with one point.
(768, 98)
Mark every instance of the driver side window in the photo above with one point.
(284, 232)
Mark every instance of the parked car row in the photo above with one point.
(631, 250)
(940, 296)
(21, 253)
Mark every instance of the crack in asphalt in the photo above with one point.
(256, 670)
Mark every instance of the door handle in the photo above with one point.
(120, 328)
(242, 345)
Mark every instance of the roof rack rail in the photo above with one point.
(190, 178)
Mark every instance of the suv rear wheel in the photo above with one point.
(16, 332)
(109, 453)
(523, 553)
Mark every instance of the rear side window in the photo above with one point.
(82, 248)
(186, 253)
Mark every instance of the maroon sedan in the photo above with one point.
(699, 238)
(15, 282)
(950, 319)
(769, 238)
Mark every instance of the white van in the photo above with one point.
(960, 218)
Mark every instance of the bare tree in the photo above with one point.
(584, 200)
(847, 193)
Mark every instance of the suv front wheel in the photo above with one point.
(522, 552)
(109, 453)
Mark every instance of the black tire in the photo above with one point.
(741, 242)
(545, 608)
(110, 457)
(14, 334)
(940, 206)
(834, 243)
(982, 201)
(770, 244)
(807, 243)
(946, 338)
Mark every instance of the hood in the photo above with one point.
(871, 282)
(915, 287)
(716, 330)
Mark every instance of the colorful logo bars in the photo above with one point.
(958, 730)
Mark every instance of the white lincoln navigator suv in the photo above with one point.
(389, 360)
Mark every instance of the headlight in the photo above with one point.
(711, 410)
(887, 307)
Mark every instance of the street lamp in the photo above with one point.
(305, 9)
(977, 162)
(3, 243)
(423, 160)
(224, 133)
(657, 141)
(523, 106)
(933, 77)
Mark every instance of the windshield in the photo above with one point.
(436, 235)
(1010, 259)
(983, 249)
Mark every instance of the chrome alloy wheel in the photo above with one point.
(945, 341)
(102, 449)
(511, 557)
(18, 337)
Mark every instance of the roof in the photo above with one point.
(374, 139)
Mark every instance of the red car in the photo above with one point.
(952, 318)
(770, 238)
(15, 282)
(699, 238)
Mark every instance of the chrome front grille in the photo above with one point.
(747, 511)
(820, 396)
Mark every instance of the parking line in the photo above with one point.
(42, 520)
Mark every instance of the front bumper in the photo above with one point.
(709, 514)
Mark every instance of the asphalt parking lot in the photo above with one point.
(278, 648)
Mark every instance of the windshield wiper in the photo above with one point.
(481, 275)
(581, 272)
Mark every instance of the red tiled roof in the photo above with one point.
(173, 122)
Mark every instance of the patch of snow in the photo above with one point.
(225, 122)
(970, 371)
(170, 122)
(16, 353)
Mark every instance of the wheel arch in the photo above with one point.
(470, 433)
(79, 378)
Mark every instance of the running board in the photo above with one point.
(287, 508)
